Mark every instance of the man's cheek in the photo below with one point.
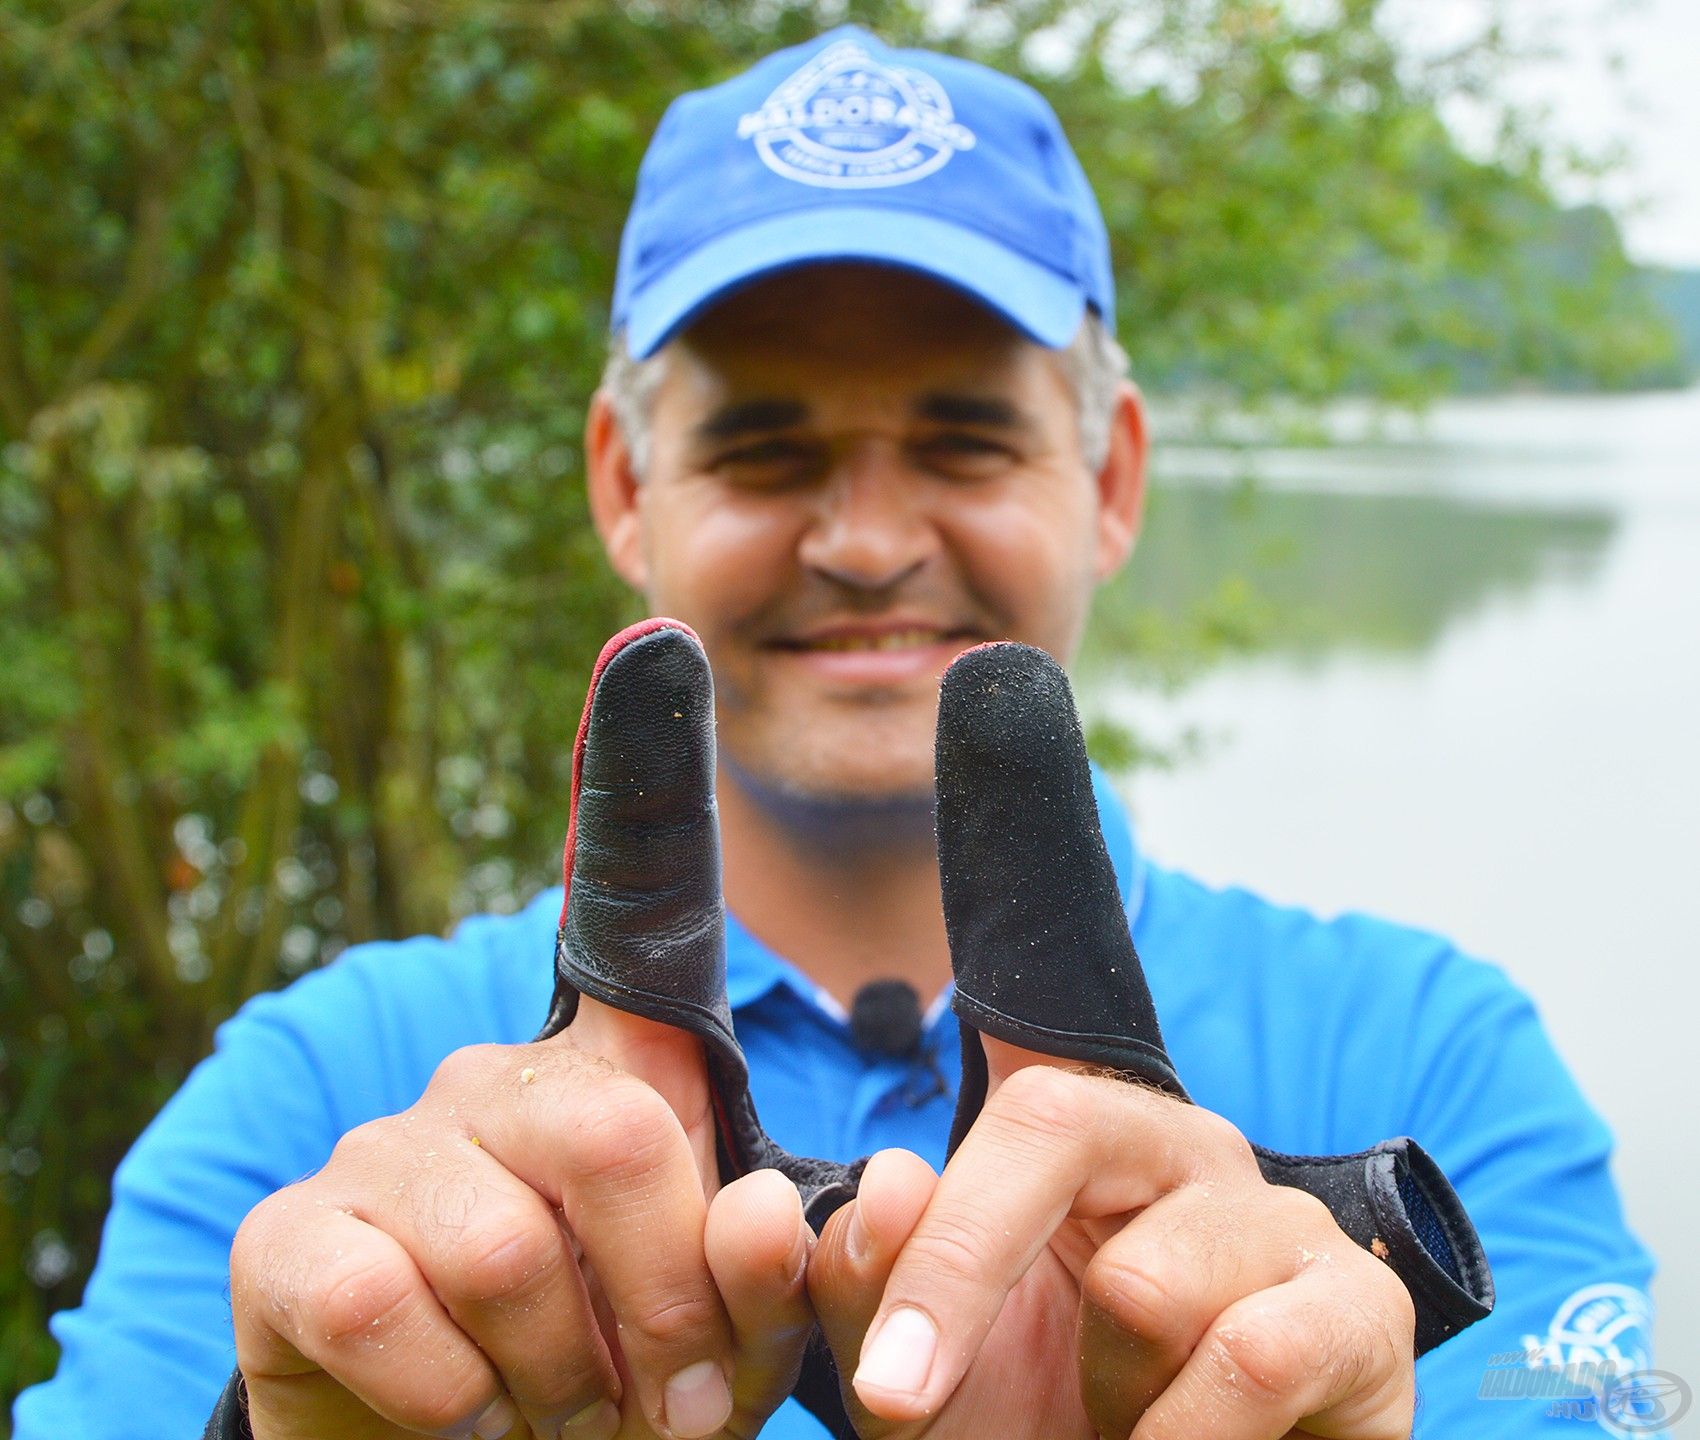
(1021, 573)
(703, 570)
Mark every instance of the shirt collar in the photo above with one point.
(752, 970)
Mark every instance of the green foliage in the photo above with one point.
(300, 307)
(1677, 294)
(1314, 572)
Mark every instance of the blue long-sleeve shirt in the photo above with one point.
(1313, 1037)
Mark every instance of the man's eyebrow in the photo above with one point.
(745, 417)
(986, 410)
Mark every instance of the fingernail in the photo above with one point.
(801, 1252)
(899, 1354)
(495, 1422)
(697, 1401)
(594, 1422)
(856, 1238)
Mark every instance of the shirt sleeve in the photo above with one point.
(1530, 1159)
(151, 1345)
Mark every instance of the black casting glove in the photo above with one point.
(1043, 959)
(643, 926)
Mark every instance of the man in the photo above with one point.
(863, 411)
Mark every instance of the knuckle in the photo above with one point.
(1260, 1354)
(1220, 1139)
(1389, 1298)
(363, 1145)
(675, 1322)
(1043, 1100)
(1140, 1294)
(622, 1131)
(465, 1069)
(250, 1248)
(1403, 1310)
(1304, 1211)
(354, 1303)
(502, 1255)
(266, 1251)
(952, 1244)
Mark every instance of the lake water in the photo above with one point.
(1474, 706)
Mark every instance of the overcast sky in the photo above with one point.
(1621, 75)
(1649, 103)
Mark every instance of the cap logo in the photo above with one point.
(848, 121)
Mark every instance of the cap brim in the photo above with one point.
(1044, 305)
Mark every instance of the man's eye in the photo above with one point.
(973, 454)
(767, 462)
(977, 443)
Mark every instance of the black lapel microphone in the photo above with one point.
(885, 1019)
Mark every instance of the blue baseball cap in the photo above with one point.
(847, 149)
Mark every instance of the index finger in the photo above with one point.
(640, 960)
(1050, 1145)
(610, 1153)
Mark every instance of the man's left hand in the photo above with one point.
(1100, 1259)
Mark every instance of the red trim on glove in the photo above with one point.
(609, 651)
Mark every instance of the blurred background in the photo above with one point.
(301, 303)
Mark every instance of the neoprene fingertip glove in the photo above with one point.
(1043, 958)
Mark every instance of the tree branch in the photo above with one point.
(141, 279)
(17, 403)
(99, 773)
(159, 168)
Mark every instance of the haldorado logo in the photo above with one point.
(847, 120)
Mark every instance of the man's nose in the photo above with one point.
(872, 528)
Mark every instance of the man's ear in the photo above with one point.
(614, 491)
(1121, 481)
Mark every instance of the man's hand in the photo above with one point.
(541, 1245)
(539, 1237)
(1098, 1257)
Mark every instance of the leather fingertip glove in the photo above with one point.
(1043, 958)
(643, 924)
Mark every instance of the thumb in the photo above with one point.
(640, 963)
(670, 1061)
(1039, 940)
(857, 1252)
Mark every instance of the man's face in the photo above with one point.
(855, 474)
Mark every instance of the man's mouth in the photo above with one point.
(913, 637)
(876, 655)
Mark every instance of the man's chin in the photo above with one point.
(842, 786)
(861, 791)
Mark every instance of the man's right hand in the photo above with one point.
(541, 1241)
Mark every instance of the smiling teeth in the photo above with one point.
(895, 640)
